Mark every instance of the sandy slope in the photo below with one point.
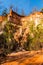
(25, 58)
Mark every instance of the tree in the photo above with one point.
(42, 10)
(34, 10)
(22, 12)
(1, 6)
(4, 12)
(16, 9)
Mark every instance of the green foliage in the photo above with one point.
(8, 43)
(30, 37)
(42, 10)
(35, 41)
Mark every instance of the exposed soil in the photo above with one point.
(23, 58)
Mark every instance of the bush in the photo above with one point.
(35, 37)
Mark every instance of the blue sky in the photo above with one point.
(27, 5)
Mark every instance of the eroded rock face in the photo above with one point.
(14, 17)
(22, 25)
(23, 22)
(2, 18)
(33, 17)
